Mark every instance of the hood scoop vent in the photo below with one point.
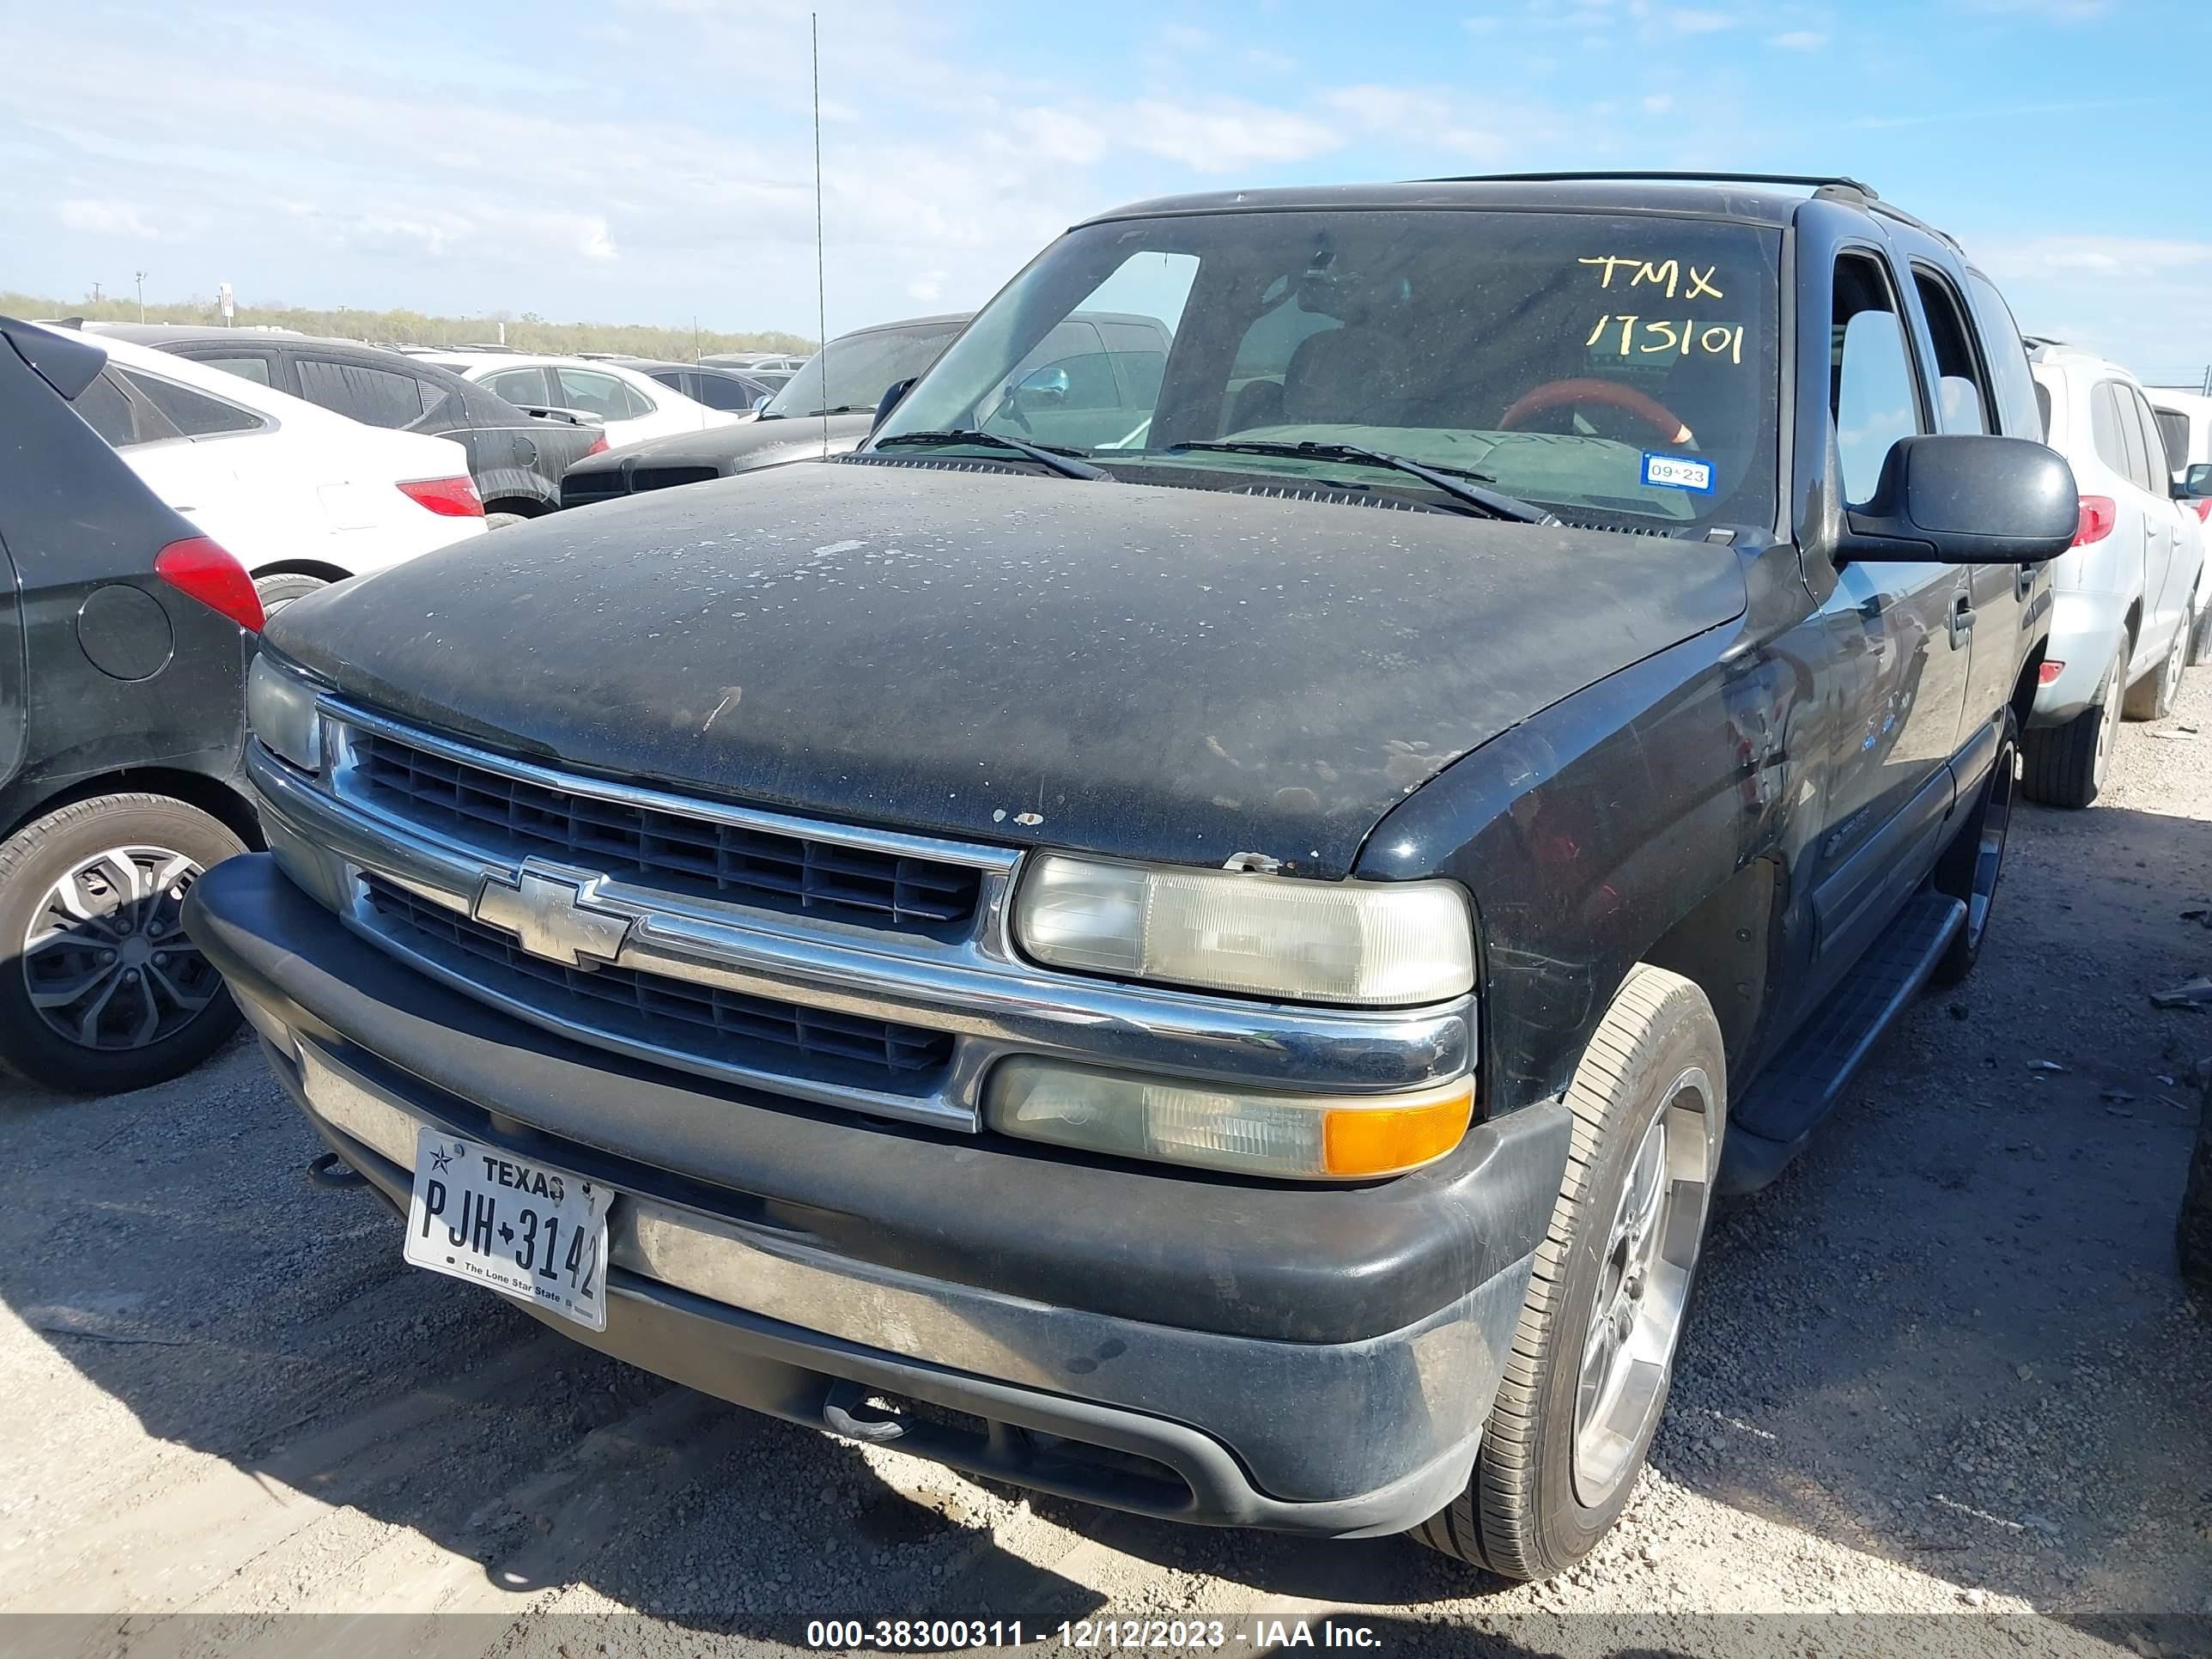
(922, 463)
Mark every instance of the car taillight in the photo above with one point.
(2049, 673)
(199, 567)
(451, 498)
(2203, 508)
(2098, 515)
(598, 445)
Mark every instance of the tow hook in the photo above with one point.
(332, 1171)
(837, 1412)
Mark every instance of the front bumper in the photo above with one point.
(1318, 1360)
(2088, 632)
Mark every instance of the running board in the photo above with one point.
(1774, 1119)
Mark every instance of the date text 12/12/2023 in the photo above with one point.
(1258, 1632)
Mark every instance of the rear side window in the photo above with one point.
(2023, 405)
(1873, 392)
(1963, 399)
(254, 368)
(525, 386)
(106, 408)
(600, 394)
(2173, 428)
(195, 414)
(718, 392)
(2153, 476)
(2106, 428)
(379, 396)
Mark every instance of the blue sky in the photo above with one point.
(650, 160)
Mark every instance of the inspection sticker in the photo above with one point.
(1678, 473)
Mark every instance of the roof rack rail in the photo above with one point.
(1836, 181)
(1903, 218)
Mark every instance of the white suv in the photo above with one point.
(2119, 632)
(2185, 418)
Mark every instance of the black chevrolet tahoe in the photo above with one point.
(1210, 959)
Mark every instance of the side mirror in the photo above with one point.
(1964, 500)
(761, 402)
(2196, 483)
(1047, 388)
(890, 401)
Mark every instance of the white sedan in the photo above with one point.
(633, 406)
(302, 497)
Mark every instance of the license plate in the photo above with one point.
(483, 1214)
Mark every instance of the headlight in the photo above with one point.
(1299, 1137)
(280, 706)
(1368, 944)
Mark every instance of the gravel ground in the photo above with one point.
(1942, 1391)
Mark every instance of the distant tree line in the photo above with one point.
(528, 332)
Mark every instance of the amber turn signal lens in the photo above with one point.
(1372, 1140)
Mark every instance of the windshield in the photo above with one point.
(1608, 366)
(854, 370)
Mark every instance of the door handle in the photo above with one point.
(2023, 582)
(1962, 619)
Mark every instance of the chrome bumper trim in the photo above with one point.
(993, 1003)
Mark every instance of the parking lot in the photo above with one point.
(1944, 1366)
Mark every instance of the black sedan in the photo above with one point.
(124, 638)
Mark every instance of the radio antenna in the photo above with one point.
(821, 282)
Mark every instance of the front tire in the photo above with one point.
(100, 991)
(1587, 1374)
(2200, 640)
(2065, 765)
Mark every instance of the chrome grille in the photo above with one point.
(699, 856)
(711, 1024)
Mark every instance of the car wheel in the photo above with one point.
(1970, 866)
(2065, 765)
(500, 520)
(1587, 1375)
(280, 590)
(2152, 697)
(101, 990)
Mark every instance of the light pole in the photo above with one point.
(141, 279)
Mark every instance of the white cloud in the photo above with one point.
(1226, 137)
(1694, 21)
(2119, 258)
(1657, 104)
(2055, 11)
(1798, 41)
(102, 218)
(1057, 135)
(927, 288)
(597, 244)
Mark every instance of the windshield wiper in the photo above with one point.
(1067, 463)
(1490, 503)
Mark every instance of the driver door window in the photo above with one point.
(1873, 393)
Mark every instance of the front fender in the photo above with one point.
(1587, 833)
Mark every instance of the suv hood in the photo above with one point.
(1175, 674)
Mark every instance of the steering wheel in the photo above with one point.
(1554, 394)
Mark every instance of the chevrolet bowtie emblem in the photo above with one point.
(549, 909)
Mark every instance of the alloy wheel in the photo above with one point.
(106, 958)
(1643, 1288)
